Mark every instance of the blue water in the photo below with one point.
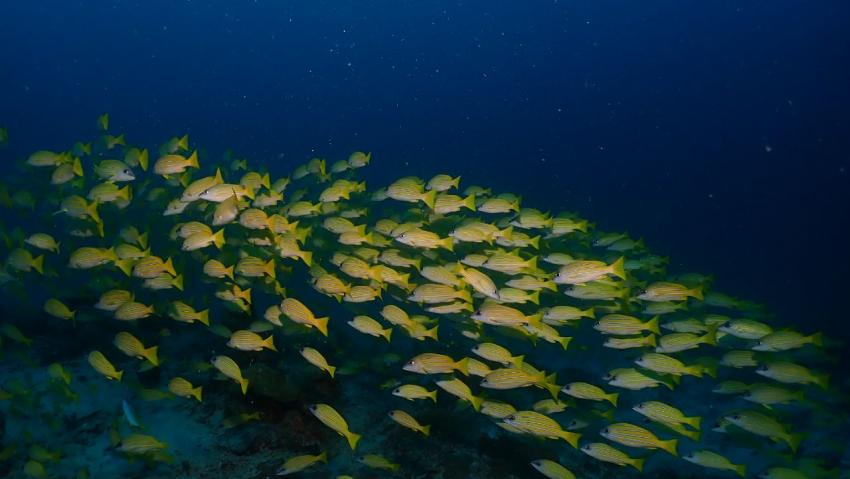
(717, 132)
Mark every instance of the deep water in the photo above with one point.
(715, 131)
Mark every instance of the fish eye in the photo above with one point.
(736, 417)
(605, 431)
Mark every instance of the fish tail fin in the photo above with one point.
(507, 233)
(196, 392)
(652, 325)
(193, 159)
(618, 268)
(323, 457)
(670, 446)
(694, 422)
(177, 282)
(465, 296)
(429, 198)
(269, 343)
(741, 470)
(535, 298)
(612, 398)
(151, 355)
(125, 265)
(535, 242)
(168, 267)
(696, 370)
(463, 366)
(564, 341)
(432, 333)
(266, 181)
(270, 269)
(588, 313)
(571, 438)
(144, 158)
(204, 317)
(77, 167)
(638, 464)
(218, 179)
(517, 361)
(433, 396)
(551, 286)
(243, 383)
(822, 380)
(38, 264)
(353, 439)
(476, 402)
(119, 375)
(448, 243)
(245, 294)
(387, 333)
(125, 193)
(229, 272)
(455, 181)
(816, 339)
(531, 263)
(426, 430)
(91, 209)
(306, 257)
(794, 441)
(711, 370)
(650, 341)
(322, 325)
(469, 202)
(696, 293)
(515, 205)
(331, 370)
(218, 239)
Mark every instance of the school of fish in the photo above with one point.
(549, 327)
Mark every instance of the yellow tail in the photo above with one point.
(322, 325)
(469, 202)
(177, 282)
(670, 446)
(38, 264)
(270, 269)
(244, 384)
(269, 343)
(463, 366)
(618, 269)
(353, 439)
(168, 267)
(204, 317)
(193, 160)
(196, 392)
(151, 355)
(476, 402)
(144, 159)
(218, 239)
(429, 198)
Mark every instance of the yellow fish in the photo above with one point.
(229, 368)
(297, 312)
(183, 388)
(409, 421)
(102, 365)
(332, 419)
(315, 358)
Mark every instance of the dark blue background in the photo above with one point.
(718, 131)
